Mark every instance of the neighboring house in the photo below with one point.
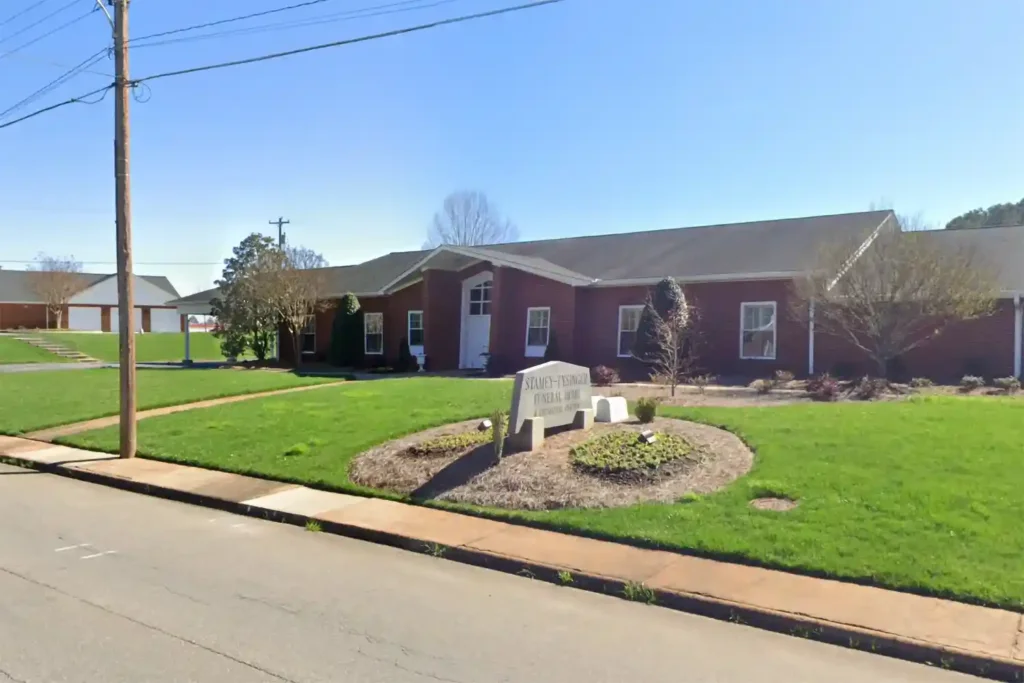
(455, 305)
(93, 308)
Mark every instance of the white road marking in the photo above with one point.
(105, 552)
(71, 547)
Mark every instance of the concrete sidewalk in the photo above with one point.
(954, 635)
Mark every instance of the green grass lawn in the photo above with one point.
(922, 495)
(36, 400)
(13, 351)
(151, 347)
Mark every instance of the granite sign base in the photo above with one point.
(531, 436)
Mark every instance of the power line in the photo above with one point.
(219, 22)
(57, 82)
(349, 15)
(73, 100)
(276, 55)
(31, 26)
(47, 34)
(138, 263)
(61, 65)
(22, 12)
(351, 41)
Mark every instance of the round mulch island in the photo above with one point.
(604, 467)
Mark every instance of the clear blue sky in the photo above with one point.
(591, 116)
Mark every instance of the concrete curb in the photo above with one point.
(806, 626)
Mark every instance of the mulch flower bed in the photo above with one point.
(547, 478)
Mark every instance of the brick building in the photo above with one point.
(455, 305)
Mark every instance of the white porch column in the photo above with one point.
(1016, 334)
(188, 340)
(810, 340)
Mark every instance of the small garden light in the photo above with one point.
(647, 436)
(484, 425)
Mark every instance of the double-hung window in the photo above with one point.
(309, 336)
(373, 334)
(629, 321)
(757, 330)
(415, 332)
(538, 331)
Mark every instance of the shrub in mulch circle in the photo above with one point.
(921, 383)
(646, 409)
(1011, 385)
(450, 443)
(623, 453)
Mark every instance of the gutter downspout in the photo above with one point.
(810, 341)
(1016, 334)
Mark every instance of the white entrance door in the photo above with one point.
(476, 320)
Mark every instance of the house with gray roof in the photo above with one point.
(458, 306)
(92, 308)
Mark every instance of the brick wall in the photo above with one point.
(13, 316)
(514, 293)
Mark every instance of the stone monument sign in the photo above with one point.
(554, 392)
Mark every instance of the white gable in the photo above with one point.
(104, 293)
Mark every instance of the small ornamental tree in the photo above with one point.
(347, 333)
(55, 280)
(663, 338)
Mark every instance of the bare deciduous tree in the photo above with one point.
(665, 338)
(296, 285)
(899, 293)
(468, 218)
(55, 280)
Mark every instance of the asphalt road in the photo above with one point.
(100, 585)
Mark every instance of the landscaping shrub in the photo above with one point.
(346, 348)
(451, 443)
(406, 361)
(702, 382)
(762, 386)
(823, 388)
(495, 365)
(843, 370)
(603, 375)
(921, 383)
(870, 388)
(784, 377)
(1010, 385)
(622, 453)
(646, 409)
(551, 351)
(975, 367)
(969, 383)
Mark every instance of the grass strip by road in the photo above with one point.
(14, 352)
(151, 347)
(36, 400)
(920, 495)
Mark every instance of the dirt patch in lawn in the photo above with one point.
(546, 479)
(774, 504)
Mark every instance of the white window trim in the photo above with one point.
(537, 351)
(775, 328)
(417, 349)
(366, 320)
(619, 330)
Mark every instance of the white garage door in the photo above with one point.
(115, 319)
(84, 318)
(164, 320)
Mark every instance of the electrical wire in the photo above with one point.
(74, 100)
(57, 82)
(62, 65)
(350, 41)
(31, 26)
(138, 263)
(228, 21)
(349, 15)
(24, 11)
(48, 34)
(288, 53)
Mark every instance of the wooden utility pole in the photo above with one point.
(280, 223)
(122, 192)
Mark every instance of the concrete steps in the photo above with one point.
(40, 341)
